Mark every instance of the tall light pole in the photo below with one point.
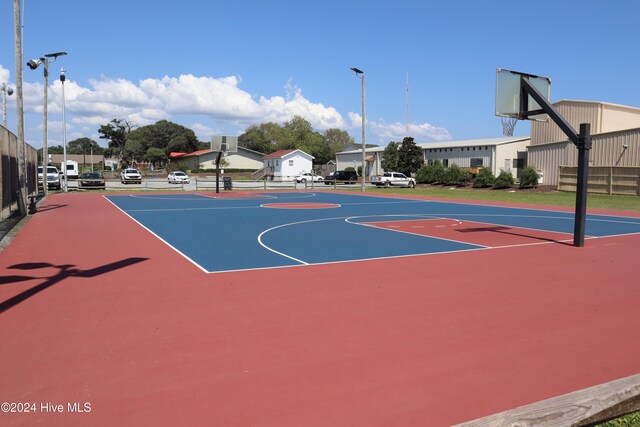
(20, 152)
(6, 90)
(360, 74)
(64, 134)
(33, 64)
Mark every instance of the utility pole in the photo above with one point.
(22, 183)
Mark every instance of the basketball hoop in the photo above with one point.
(508, 125)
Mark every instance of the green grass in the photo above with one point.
(631, 420)
(551, 198)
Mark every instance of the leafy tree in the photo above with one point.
(181, 143)
(390, 157)
(504, 180)
(156, 155)
(84, 146)
(484, 178)
(410, 157)
(56, 149)
(262, 139)
(116, 133)
(164, 135)
(297, 133)
(202, 145)
(431, 173)
(337, 140)
(529, 177)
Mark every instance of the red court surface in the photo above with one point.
(97, 310)
(477, 233)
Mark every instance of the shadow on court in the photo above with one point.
(64, 271)
(508, 230)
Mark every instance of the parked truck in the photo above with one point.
(393, 179)
(72, 169)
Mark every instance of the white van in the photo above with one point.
(72, 169)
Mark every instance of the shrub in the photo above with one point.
(452, 175)
(176, 166)
(465, 178)
(429, 174)
(484, 178)
(504, 180)
(529, 177)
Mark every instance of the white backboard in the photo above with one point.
(508, 94)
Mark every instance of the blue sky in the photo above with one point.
(218, 67)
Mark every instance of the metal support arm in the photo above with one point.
(581, 140)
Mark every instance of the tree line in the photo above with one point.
(153, 143)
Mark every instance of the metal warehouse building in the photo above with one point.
(615, 131)
(505, 153)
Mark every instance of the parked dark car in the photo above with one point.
(91, 180)
(341, 177)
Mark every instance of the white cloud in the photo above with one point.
(4, 75)
(384, 132)
(212, 106)
(156, 99)
(419, 131)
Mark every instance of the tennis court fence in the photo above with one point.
(10, 183)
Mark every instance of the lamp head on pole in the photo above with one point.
(35, 63)
(55, 55)
(357, 71)
(62, 76)
(6, 89)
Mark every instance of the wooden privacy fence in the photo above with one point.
(624, 180)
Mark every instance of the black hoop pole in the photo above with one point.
(584, 146)
(581, 140)
(218, 172)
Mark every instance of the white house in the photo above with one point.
(284, 165)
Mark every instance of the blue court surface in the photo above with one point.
(270, 230)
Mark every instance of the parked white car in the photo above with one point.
(130, 175)
(178, 177)
(307, 176)
(393, 179)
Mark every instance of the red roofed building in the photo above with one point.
(206, 159)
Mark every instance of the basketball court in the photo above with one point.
(302, 308)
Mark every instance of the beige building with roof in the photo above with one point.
(615, 131)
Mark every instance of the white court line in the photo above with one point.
(217, 208)
(159, 238)
(348, 220)
(420, 216)
(532, 208)
(268, 230)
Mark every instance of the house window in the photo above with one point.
(277, 163)
(445, 163)
(291, 162)
(476, 163)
